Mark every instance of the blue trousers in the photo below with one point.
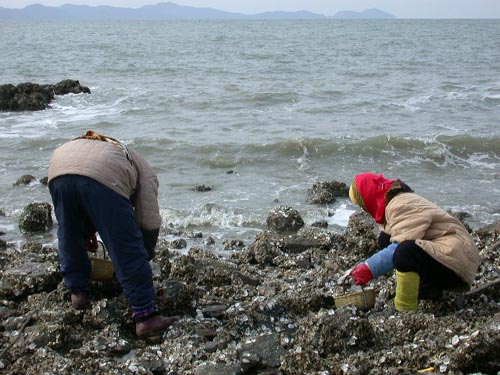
(80, 201)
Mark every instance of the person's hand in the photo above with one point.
(361, 274)
(91, 243)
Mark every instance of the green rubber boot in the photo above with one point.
(407, 285)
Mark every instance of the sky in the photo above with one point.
(399, 8)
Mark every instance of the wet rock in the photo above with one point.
(161, 264)
(302, 362)
(261, 353)
(25, 180)
(184, 268)
(214, 311)
(477, 351)
(175, 298)
(5, 313)
(34, 97)
(15, 323)
(358, 243)
(327, 192)
(249, 361)
(325, 335)
(210, 272)
(24, 97)
(295, 244)
(233, 244)
(209, 241)
(69, 86)
(344, 331)
(361, 224)
(218, 368)
(284, 219)
(213, 346)
(490, 290)
(202, 188)
(44, 180)
(178, 244)
(270, 248)
(262, 251)
(488, 234)
(303, 303)
(36, 217)
(28, 278)
(320, 224)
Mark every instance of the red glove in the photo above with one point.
(362, 274)
(91, 243)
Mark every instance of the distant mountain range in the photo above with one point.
(167, 11)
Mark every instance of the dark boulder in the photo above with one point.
(69, 86)
(29, 278)
(284, 219)
(36, 217)
(25, 180)
(34, 97)
(202, 188)
(24, 97)
(327, 192)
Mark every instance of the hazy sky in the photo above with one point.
(400, 8)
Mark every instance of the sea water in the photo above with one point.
(262, 110)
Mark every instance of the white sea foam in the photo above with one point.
(341, 216)
(211, 215)
(491, 96)
(413, 104)
(457, 95)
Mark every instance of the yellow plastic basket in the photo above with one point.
(363, 299)
(102, 269)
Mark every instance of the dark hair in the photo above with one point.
(396, 188)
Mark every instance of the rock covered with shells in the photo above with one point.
(264, 308)
(284, 219)
(327, 192)
(36, 217)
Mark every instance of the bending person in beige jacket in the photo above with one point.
(428, 247)
(98, 184)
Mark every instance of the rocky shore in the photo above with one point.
(264, 308)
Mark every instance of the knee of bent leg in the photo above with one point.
(404, 256)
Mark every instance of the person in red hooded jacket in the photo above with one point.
(428, 247)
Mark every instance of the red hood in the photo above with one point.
(373, 188)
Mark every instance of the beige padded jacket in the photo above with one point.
(108, 164)
(444, 237)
